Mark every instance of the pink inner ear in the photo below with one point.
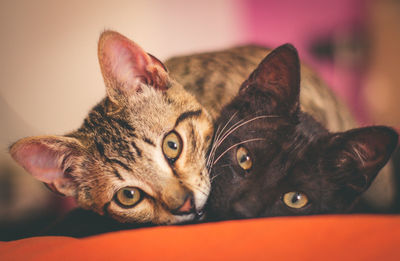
(127, 62)
(42, 162)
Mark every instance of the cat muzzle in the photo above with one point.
(188, 207)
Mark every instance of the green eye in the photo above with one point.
(243, 158)
(172, 146)
(128, 196)
(295, 199)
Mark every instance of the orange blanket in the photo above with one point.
(351, 237)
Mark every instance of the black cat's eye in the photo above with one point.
(172, 146)
(128, 197)
(243, 158)
(295, 199)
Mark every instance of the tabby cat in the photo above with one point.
(271, 158)
(139, 156)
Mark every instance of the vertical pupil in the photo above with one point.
(244, 158)
(129, 193)
(172, 145)
(295, 198)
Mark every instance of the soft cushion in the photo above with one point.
(330, 237)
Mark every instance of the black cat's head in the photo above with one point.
(271, 159)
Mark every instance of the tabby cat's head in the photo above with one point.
(271, 159)
(140, 154)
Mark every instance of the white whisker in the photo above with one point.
(222, 134)
(235, 145)
(244, 123)
(222, 166)
(217, 135)
(212, 147)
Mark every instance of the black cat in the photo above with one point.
(273, 159)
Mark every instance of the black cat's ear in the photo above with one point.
(277, 78)
(126, 66)
(359, 154)
(50, 159)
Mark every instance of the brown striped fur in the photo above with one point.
(119, 143)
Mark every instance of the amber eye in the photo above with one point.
(243, 158)
(128, 196)
(172, 146)
(295, 199)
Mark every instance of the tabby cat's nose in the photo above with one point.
(186, 208)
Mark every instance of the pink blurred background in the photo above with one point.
(332, 26)
(50, 78)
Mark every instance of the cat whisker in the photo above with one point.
(238, 122)
(227, 123)
(217, 135)
(244, 123)
(221, 135)
(233, 126)
(216, 176)
(225, 165)
(212, 147)
(235, 145)
(199, 189)
(222, 166)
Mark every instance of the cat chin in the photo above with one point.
(183, 219)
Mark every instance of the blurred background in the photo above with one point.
(50, 78)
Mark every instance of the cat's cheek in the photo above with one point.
(201, 196)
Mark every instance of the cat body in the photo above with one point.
(274, 154)
(214, 78)
(140, 154)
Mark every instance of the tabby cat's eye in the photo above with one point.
(172, 146)
(243, 158)
(128, 196)
(295, 199)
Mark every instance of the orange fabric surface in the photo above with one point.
(351, 237)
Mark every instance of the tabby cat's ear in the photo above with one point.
(126, 66)
(50, 159)
(359, 154)
(277, 78)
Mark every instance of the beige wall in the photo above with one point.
(382, 90)
(49, 74)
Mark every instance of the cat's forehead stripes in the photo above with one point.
(116, 173)
(186, 115)
(149, 141)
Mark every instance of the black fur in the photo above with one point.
(296, 153)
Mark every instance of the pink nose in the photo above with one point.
(187, 206)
